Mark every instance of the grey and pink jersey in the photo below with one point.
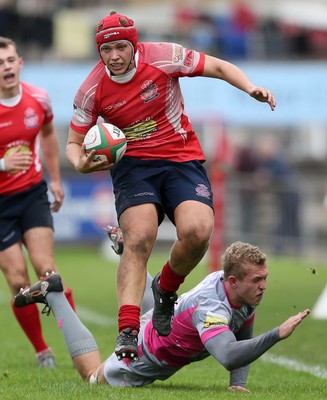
(200, 314)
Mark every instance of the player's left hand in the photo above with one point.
(287, 328)
(238, 389)
(88, 162)
(264, 96)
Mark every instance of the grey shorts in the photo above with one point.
(139, 373)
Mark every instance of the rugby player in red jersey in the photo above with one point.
(135, 86)
(25, 212)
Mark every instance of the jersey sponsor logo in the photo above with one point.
(141, 130)
(202, 191)
(149, 91)
(108, 35)
(4, 124)
(14, 147)
(188, 62)
(113, 106)
(143, 194)
(178, 54)
(214, 320)
(31, 119)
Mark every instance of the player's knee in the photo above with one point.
(140, 245)
(197, 237)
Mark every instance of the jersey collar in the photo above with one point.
(12, 101)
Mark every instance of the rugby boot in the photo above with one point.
(126, 345)
(37, 293)
(163, 311)
(116, 237)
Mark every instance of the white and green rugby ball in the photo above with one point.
(108, 141)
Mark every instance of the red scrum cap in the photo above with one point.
(116, 27)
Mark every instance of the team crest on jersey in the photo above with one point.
(202, 191)
(31, 119)
(149, 91)
(214, 320)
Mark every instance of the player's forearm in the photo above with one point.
(233, 354)
(50, 150)
(73, 151)
(220, 69)
(239, 376)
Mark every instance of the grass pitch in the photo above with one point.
(294, 368)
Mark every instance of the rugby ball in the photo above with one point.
(108, 141)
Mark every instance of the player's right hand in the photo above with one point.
(18, 159)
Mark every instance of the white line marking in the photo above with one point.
(319, 311)
(315, 370)
(88, 315)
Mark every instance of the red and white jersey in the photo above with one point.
(148, 108)
(20, 125)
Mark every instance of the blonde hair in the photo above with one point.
(238, 256)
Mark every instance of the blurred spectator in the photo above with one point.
(204, 36)
(185, 17)
(7, 18)
(244, 18)
(318, 43)
(297, 40)
(277, 174)
(237, 30)
(245, 164)
(35, 25)
(274, 45)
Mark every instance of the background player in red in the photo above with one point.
(25, 214)
(135, 86)
(214, 318)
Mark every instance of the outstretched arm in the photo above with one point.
(220, 69)
(233, 354)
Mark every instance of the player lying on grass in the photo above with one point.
(214, 318)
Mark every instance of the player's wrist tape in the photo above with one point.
(2, 164)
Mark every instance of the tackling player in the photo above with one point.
(215, 318)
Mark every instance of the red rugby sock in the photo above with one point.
(169, 280)
(29, 319)
(129, 317)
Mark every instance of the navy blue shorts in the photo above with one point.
(162, 182)
(22, 211)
